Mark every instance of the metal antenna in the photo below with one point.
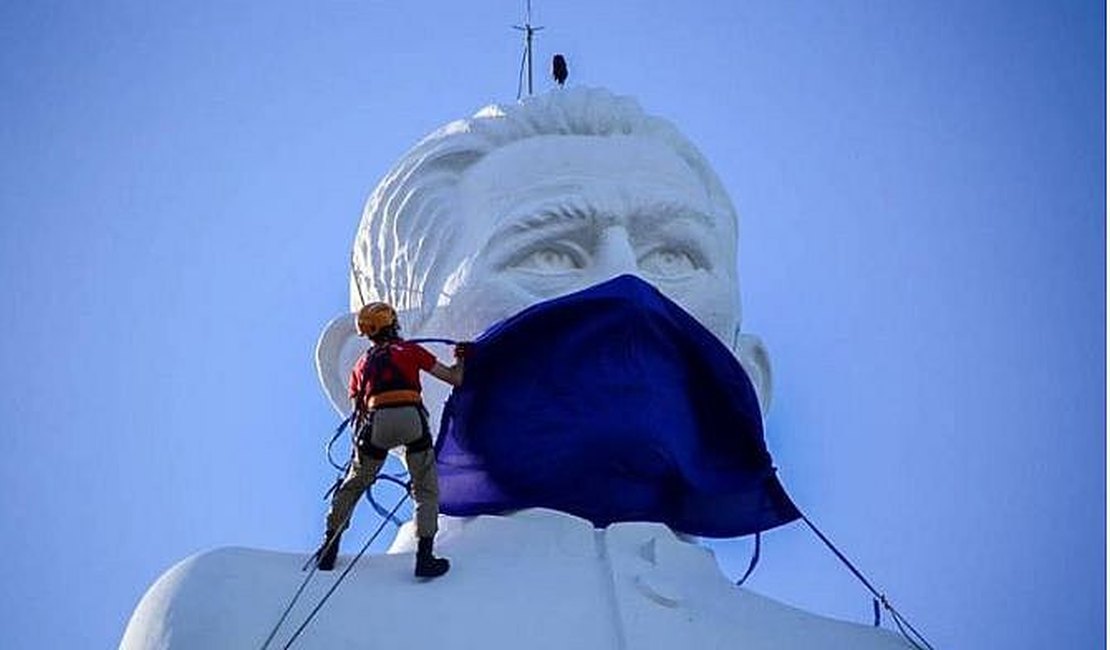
(528, 30)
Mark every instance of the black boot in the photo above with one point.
(325, 555)
(428, 565)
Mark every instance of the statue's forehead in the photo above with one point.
(598, 165)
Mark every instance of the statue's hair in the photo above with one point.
(406, 245)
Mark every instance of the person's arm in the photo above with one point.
(451, 374)
(354, 386)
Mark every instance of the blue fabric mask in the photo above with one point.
(612, 404)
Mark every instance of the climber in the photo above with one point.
(385, 391)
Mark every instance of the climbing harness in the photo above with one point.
(390, 384)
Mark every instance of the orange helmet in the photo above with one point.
(376, 317)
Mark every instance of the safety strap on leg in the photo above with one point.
(424, 442)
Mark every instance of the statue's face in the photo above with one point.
(550, 215)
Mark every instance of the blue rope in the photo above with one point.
(338, 580)
(392, 478)
(754, 561)
(898, 619)
(387, 514)
(338, 432)
(433, 340)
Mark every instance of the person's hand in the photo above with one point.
(463, 350)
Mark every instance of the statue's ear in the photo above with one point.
(749, 349)
(336, 352)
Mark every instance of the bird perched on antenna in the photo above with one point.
(559, 69)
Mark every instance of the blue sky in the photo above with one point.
(922, 196)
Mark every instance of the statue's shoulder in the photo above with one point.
(633, 585)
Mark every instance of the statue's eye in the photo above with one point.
(551, 260)
(668, 263)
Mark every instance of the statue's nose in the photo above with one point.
(615, 255)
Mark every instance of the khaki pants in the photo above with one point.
(389, 428)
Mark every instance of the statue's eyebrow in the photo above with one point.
(570, 210)
(578, 210)
(659, 213)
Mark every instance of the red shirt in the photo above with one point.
(408, 358)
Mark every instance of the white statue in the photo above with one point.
(481, 219)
